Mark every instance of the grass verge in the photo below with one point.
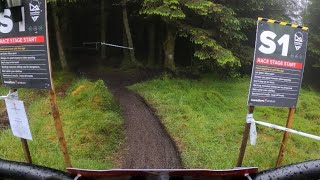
(91, 121)
(206, 119)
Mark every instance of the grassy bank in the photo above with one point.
(206, 119)
(92, 126)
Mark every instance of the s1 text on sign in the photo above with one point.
(24, 49)
(278, 64)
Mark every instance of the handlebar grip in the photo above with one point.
(19, 170)
(304, 170)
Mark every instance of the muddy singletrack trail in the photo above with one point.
(147, 144)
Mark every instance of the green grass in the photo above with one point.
(206, 119)
(91, 121)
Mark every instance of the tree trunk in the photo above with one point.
(151, 44)
(169, 47)
(127, 30)
(126, 55)
(103, 30)
(160, 41)
(62, 56)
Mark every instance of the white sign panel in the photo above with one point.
(18, 119)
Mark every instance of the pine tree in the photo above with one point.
(312, 20)
(211, 27)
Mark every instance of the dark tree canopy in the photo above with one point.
(196, 35)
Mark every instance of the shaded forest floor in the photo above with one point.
(147, 143)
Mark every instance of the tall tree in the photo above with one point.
(59, 39)
(274, 9)
(152, 43)
(312, 20)
(127, 30)
(191, 19)
(103, 30)
(295, 9)
(248, 12)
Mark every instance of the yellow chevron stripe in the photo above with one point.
(283, 23)
(271, 21)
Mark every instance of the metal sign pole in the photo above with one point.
(244, 139)
(285, 137)
(24, 142)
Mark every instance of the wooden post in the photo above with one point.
(244, 139)
(58, 125)
(24, 142)
(285, 137)
(26, 150)
(54, 107)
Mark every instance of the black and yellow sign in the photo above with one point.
(278, 64)
(23, 47)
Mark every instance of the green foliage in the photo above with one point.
(241, 37)
(202, 7)
(165, 8)
(273, 9)
(312, 20)
(210, 26)
(92, 126)
(206, 119)
(208, 48)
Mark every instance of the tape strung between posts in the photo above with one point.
(107, 44)
(253, 129)
(3, 97)
(13, 95)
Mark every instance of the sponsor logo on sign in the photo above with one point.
(35, 11)
(298, 40)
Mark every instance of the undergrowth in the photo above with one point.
(91, 121)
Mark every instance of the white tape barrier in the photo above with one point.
(13, 95)
(253, 129)
(113, 45)
(3, 97)
(107, 44)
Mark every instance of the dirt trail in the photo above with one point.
(147, 144)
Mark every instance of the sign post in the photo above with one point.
(277, 71)
(19, 122)
(285, 137)
(26, 150)
(278, 64)
(59, 129)
(24, 142)
(25, 58)
(244, 139)
(54, 106)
